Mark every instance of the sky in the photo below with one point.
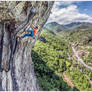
(65, 12)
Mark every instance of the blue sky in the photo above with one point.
(65, 12)
(85, 7)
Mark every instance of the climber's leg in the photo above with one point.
(31, 33)
(25, 35)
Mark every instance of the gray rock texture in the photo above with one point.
(16, 66)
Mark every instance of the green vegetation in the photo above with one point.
(50, 60)
(83, 39)
(79, 79)
(81, 36)
(88, 59)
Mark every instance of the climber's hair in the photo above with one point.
(36, 27)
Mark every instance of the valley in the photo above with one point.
(64, 58)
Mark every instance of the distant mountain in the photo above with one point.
(73, 24)
(81, 25)
(53, 26)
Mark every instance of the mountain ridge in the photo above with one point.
(74, 25)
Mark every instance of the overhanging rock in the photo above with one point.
(16, 66)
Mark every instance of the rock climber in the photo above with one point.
(30, 31)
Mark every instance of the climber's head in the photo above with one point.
(36, 27)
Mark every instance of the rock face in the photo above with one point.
(16, 66)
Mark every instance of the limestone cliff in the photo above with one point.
(16, 66)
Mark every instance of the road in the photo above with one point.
(79, 59)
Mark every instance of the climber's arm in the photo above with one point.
(28, 27)
(32, 27)
(26, 30)
(30, 15)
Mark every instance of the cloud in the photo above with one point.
(68, 14)
(57, 4)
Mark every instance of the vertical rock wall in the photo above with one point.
(16, 66)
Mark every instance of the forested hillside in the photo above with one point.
(50, 60)
(53, 26)
(55, 65)
(82, 38)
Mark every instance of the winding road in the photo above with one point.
(79, 59)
